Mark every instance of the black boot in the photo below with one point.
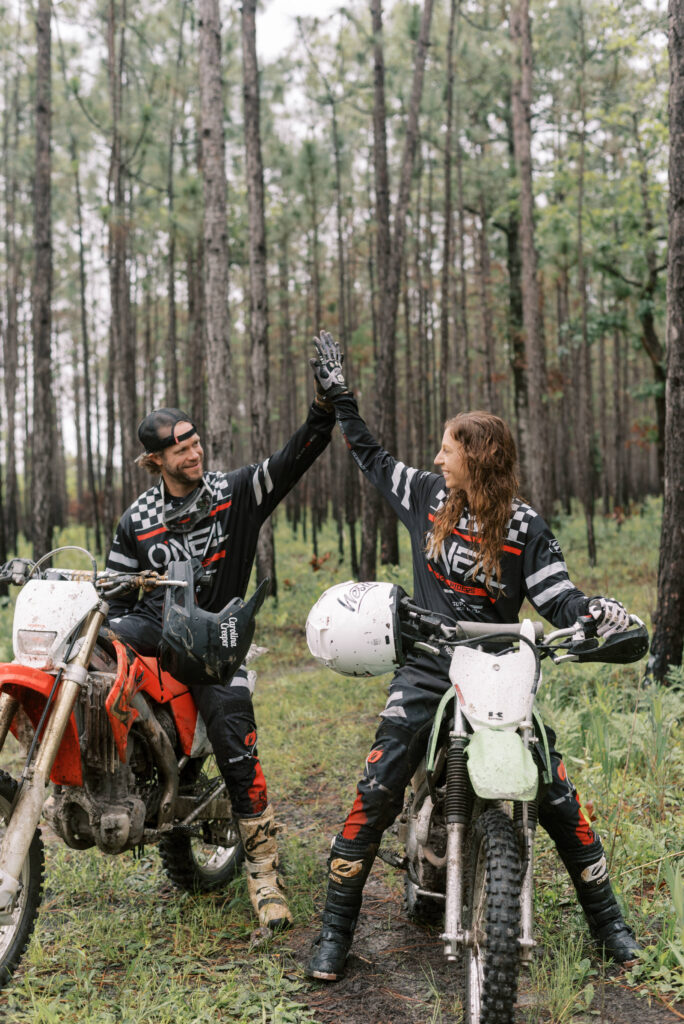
(606, 923)
(348, 867)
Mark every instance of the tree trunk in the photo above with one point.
(218, 356)
(119, 281)
(485, 281)
(535, 469)
(447, 243)
(92, 503)
(516, 329)
(463, 394)
(584, 436)
(11, 333)
(649, 337)
(258, 309)
(195, 344)
(619, 496)
(666, 647)
(390, 246)
(41, 298)
(170, 348)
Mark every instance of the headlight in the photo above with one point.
(35, 642)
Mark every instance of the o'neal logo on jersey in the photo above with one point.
(173, 548)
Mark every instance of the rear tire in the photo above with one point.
(14, 937)
(206, 862)
(492, 916)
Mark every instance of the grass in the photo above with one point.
(115, 942)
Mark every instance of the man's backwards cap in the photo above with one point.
(156, 431)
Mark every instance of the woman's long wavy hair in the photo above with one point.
(491, 459)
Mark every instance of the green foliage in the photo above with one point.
(138, 950)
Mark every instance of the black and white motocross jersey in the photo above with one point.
(532, 563)
(225, 541)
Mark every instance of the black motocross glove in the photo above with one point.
(327, 367)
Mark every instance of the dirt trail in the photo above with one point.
(397, 974)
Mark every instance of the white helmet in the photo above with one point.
(354, 628)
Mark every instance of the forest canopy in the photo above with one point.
(131, 321)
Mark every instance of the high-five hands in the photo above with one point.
(327, 368)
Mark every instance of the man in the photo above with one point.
(214, 517)
(478, 550)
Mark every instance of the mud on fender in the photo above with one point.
(500, 767)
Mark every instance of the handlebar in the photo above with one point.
(108, 583)
(429, 631)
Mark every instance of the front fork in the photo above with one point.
(29, 804)
(459, 805)
(525, 817)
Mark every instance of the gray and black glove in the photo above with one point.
(610, 616)
(327, 368)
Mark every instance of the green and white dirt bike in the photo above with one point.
(469, 819)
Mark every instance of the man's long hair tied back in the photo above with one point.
(491, 461)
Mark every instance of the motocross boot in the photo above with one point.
(348, 866)
(258, 835)
(606, 923)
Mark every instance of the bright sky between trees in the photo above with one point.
(277, 22)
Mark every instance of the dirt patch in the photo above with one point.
(396, 972)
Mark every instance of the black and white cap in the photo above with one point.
(156, 431)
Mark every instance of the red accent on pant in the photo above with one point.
(357, 817)
(257, 793)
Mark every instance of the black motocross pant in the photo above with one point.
(227, 712)
(401, 742)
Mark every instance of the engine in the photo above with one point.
(116, 801)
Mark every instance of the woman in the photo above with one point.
(478, 550)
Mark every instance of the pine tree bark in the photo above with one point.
(92, 503)
(487, 320)
(464, 393)
(170, 348)
(11, 332)
(41, 297)
(390, 254)
(534, 470)
(218, 357)
(447, 242)
(258, 293)
(584, 436)
(516, 331)
(666, 647)
(118, 257)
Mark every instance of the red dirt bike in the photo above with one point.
(119, 739)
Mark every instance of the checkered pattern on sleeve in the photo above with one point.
(519, 523)
(146, 511)
(220, 485)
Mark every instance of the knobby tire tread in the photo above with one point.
(33, 890)
(175, 850)
(494, 835)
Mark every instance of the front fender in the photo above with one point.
(501, 767)
(31, 687)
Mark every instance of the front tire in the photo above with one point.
(492, 916)
(207, 861)
(14, 936)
